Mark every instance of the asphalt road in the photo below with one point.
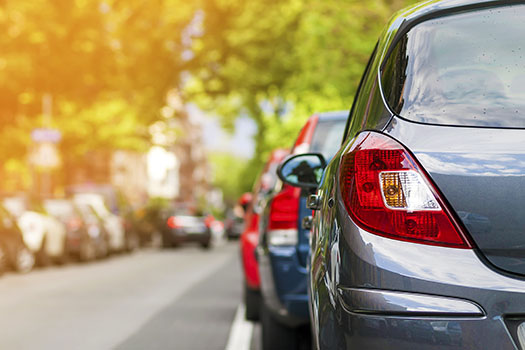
(184, 298)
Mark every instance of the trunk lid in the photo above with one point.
(481, 173)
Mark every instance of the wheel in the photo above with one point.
(3, 259)
(42, 258)
(103, 249)
(206, 245)
(64, 257)
(276, 336)
(24, 260)
(252, 301)
(88, 250)
(167, 242)
(132, 242)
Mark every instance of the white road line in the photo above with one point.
(241, 332)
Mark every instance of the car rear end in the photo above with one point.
(427, 244)
(284, 244)
(187, 228)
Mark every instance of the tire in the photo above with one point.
(24, 260)
(252, 301)
(3, 259)
(64, 258)
(206, 245)
(276, 336)
(103, 249)
(167, 242)
(88, 251)
(42, 258)
(132, 242)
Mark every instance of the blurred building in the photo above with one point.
(194, 169)
(128, 171)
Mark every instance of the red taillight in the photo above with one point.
(284, 209)
(284, 217)
(208, 221)
(386, 192)
(74, 224)
(173, 222)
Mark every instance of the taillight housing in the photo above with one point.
(386, 192)
(284, 217)
(174, 222)
(74, 224)
(209, 220)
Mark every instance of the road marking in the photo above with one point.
(240, 337)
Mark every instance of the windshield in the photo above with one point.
(465, 69)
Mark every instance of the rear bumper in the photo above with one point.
(283, 285)
(179, 236)
(382, 293)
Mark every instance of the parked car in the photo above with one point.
(114, 205)
(84, 235)
(250, 237)
(13, 251)
(44, 235)
(187, 227)
(113, 224)
(436, 131)
(95, 228)
(235, 217)
(283, 244)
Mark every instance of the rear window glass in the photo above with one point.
(328, 136)
(462, 69)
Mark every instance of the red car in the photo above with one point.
(250, 235)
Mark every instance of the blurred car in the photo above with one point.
(13, 251)
(44, 235)
(283, 244)
(419, 216)
(118, 205)
(250, 237)
(95, 229)
(113, 224)
(235, 218)
(84, 235)
(185, 227)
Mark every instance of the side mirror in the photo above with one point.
(302, 170)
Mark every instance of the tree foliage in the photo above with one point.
(280, 61)
(108, 65)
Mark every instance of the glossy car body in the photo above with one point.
(113, 224)
(372, 290)
(14, 253)
(250, 237)
(282, 263)
(85, 235)
(44, 235)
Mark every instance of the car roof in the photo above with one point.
(335, 115)
(410, 16)
(432, 8)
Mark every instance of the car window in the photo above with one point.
(327, 137)
(463, 69)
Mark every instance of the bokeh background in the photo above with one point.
(170, 98)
